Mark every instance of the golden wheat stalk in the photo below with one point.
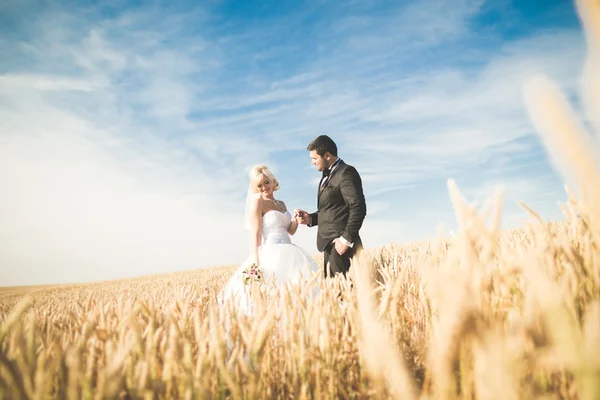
(381, 356)
(561, 132)
(589, 13)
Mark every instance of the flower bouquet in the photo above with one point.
(252, 273)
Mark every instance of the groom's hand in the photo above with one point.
(301, 216)
(340, 247)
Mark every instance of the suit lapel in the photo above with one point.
(322, 187)
(336, 169)
(319, 190)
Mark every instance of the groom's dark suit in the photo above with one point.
(341, 209)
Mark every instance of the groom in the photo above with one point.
(341, 207)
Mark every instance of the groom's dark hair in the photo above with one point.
(323, 144)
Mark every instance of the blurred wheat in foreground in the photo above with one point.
(490, 314)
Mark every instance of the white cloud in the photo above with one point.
(46, 83)
(72, 211)
(93, 189)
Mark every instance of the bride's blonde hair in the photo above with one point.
(259, 170)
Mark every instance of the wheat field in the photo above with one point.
(485, 314)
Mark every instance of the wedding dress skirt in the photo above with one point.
(280, 260)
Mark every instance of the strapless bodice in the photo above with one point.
(275, 225)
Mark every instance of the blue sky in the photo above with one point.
(127, 129)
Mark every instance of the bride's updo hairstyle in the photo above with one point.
(255, 175)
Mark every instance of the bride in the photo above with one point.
(271, 248)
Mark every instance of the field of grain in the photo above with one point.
(490, 314)
(487, 314)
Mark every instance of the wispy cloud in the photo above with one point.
(126, 133)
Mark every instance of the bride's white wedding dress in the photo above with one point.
(280, 260)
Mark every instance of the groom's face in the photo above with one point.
(321, 162)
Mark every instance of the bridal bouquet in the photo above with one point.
(252, 273)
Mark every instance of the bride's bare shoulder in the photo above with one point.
(257, 204)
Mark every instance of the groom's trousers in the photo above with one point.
(334, 263)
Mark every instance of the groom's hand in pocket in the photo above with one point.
(340, 247)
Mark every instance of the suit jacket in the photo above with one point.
(341, 207)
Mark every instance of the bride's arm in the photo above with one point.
(256, 231)
(293, 227)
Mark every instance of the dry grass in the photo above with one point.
(488, 314)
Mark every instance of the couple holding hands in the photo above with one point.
(341, 210)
